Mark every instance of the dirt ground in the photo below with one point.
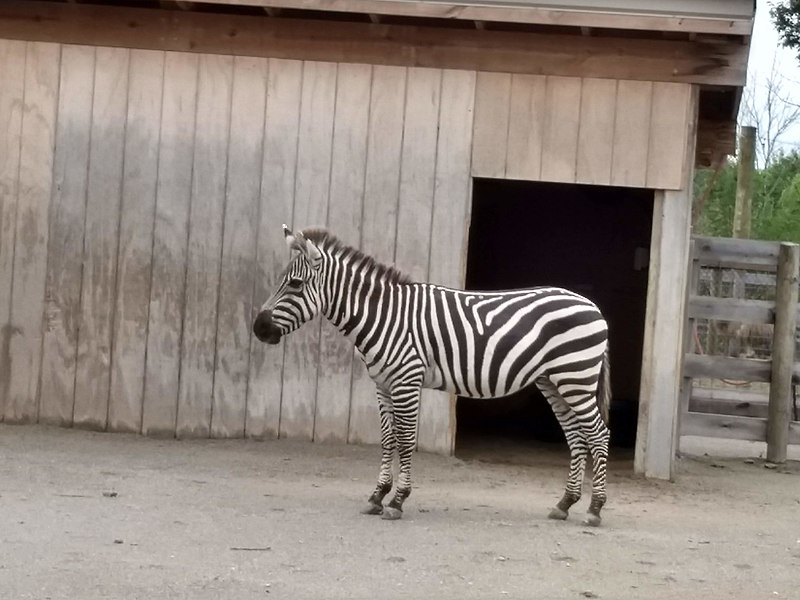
(88, 515)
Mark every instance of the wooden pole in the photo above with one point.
(688, 340)
(780, 389)
(744, 183)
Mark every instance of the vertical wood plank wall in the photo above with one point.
(33, 156)
(142, 195)
(570, 130)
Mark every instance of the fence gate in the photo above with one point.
(740, 378)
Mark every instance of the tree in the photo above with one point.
(786, 17)
(783, 222)
(766, 108)
(715, 196)
(776, 200)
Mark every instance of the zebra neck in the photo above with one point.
(355, 300)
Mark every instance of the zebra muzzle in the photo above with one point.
(265, 329)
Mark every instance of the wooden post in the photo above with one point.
(688, 338)
(663, 352)
(712, 339)
(744, 183)
(663, 349)
(780, 389)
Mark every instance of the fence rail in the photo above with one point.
(733, 402)
(731, 412)
(730, 253)
(752, 429)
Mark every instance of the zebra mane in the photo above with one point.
(329, 242)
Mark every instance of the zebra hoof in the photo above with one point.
(557, 514)
(391, 514)
(372, 509)
(592, 520)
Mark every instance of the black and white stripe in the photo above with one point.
(474, 344)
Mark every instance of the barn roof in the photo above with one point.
(729, 17)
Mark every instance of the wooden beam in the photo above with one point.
(733, 427)
(172, 4)
(723, 367)
(715, 141)
(272, 11)
(745, 171)
(690, 323)
(663, 337)
(728, 253)
(733, 402)
(722, 63)
(725, 426)
(732, 309)
(663, 348)
(519, 13)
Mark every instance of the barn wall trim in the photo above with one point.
(722, 62)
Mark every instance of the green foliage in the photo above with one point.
(786, 17)
(785, 222)
(717, 216)
(776, 201)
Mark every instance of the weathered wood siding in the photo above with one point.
(581, 130)
(142, 198)
(142, 194)
(29, 99)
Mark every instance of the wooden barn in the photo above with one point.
(149, 152)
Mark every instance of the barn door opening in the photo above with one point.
(594, 240)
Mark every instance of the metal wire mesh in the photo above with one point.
(732, 338)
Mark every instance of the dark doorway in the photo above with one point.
(590, 239)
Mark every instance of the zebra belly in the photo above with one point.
(438, 380)
(497, 362)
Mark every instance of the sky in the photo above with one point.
(764, 46)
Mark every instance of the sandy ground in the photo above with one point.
(87, 515)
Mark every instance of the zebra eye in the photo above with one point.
(296, 283)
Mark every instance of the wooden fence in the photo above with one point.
(730, 411)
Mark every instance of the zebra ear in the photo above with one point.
(295, 241)
(300, 243)
(289, 238)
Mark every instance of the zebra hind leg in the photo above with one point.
(598, 446)
(578, 449)
(588, 420)
(375, 502)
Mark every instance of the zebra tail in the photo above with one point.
(604, 388)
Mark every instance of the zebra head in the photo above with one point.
(297, 298)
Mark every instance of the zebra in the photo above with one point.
(470, 343)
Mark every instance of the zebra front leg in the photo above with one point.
(598, 446)
(578, 448)
(375, 502)
(406, 409)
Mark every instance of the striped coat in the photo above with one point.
(475, 344)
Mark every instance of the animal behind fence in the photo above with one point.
(474, 344)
